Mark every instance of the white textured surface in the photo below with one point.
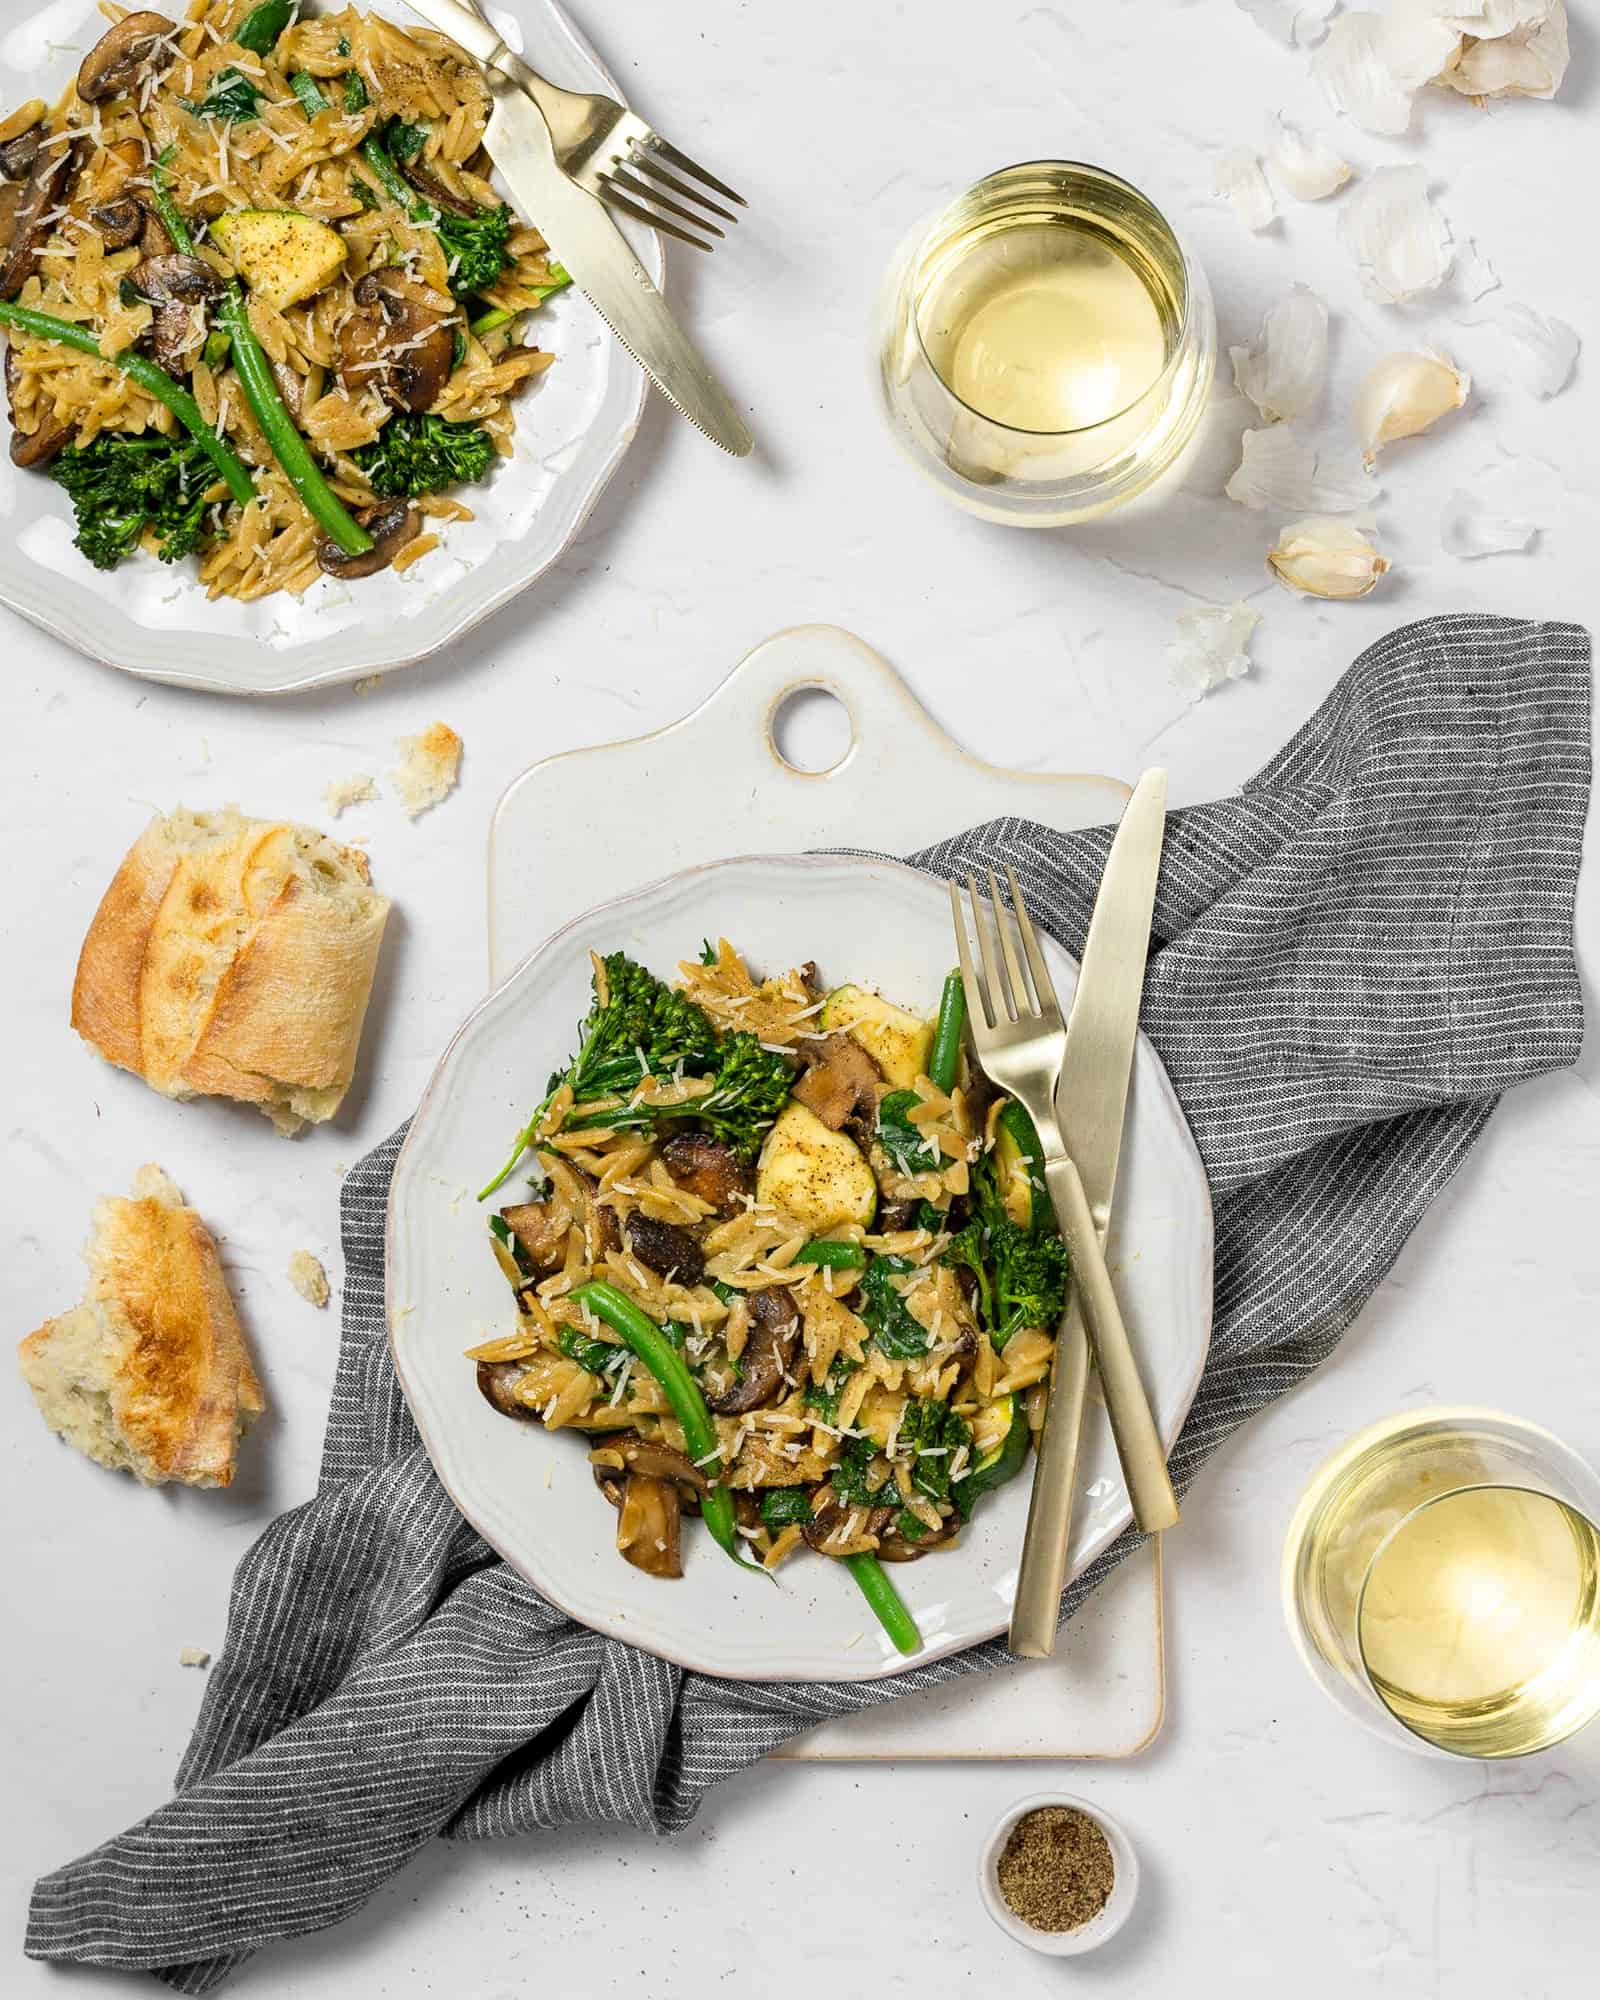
(1280, 1845)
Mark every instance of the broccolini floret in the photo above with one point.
(413, 455)
(1021, 1274)
(640, 1028)
(120, 485)
(932, 1430)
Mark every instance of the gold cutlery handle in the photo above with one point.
(1144, 1465)
(1036, 1608)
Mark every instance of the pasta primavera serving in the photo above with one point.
(263, 306)
(786, 1263)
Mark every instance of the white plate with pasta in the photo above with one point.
(471, 1351)
(309, 204)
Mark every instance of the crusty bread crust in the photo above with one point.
(151, 1373)
(234, 957)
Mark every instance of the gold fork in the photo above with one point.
(606, 148)
(1020, 1038)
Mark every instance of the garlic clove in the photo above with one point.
(1307, 167)
(1403, 395)
(1211, 645)
(1281, 474)
(1284, 373)
(1242, 184)
(1397, 237)
(1323, 556)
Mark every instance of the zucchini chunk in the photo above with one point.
(282, 256)
(818, 1176)
(897, 1042)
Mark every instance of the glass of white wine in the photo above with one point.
(1045, 345)
(1441, 1579)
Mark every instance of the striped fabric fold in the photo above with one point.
(1353, 958)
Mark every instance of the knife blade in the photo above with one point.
(581, 232)
(1091, 1102)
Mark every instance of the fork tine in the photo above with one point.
(618, 200)
(1016, 979)
(631, 184)
(977, 995)
(1043, 985)
(687, 166)
(640, 159)
(1002, 1005)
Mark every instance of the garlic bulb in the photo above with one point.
(1242, 184)
(1405, 394)
(1398, 238)
(1308, 168)
(1284, 372)
(1326, 557)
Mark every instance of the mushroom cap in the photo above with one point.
(708, 1168)
(47, 189)
(666, 1249)
(124, 56)
(768, 1353)
(391, 526)
(176, 285)
(120, 222)
(18, 155)
(496, 1382)
(400, 342)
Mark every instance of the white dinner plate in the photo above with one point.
(529, 1492)
(573, 425)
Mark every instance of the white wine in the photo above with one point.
(1480, 1621)
(1443, 1571)
(1046, 346)
(1044, 327)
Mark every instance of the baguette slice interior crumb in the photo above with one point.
(308, 1277)
(430, 766)
(150, 1374)
(234, 957)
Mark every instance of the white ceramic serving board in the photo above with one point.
(1103, 1695)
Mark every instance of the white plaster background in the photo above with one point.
(1283, 1848)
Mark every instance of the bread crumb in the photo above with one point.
(430, 767)
(193, 1656)
(308, 1277)
(346, 792)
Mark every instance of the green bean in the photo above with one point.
(832, 1256)
(946, 1058)
(887, 1605)
(665, 1363)
(261, 392)
(153, 380)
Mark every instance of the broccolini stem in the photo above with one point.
(887, 1605)
(946, 1057)
(665, 1363)
(523, 1141)
(255, 375)
(832, 1256)
(491, 321)
(153, 380)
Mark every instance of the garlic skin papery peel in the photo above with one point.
(1242, 184)
(1211, 645)
(1469, 529)
(1310, 169)
(1324, 556)
(1544, 350)
(1399, 240)
(1281, 474)
(1297, 23)
(1284, 373)
(1372, 65)
(1403, 395)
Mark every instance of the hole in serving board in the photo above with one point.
(811, 731)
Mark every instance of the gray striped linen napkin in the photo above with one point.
(1352, 959)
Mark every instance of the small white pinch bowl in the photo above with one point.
(1087, 1937)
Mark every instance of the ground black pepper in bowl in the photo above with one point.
(1056, 1870)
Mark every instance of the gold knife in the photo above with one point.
(581, 232)
(1091, 1101)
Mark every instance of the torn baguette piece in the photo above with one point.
(150, 1375)
(430, 766)
(233, 957)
